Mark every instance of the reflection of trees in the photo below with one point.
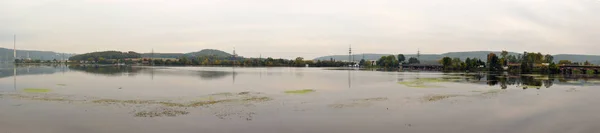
(106, 70)
(531, 81)
(508, 80)
(492, 80)
(214, 74)
(7, 70)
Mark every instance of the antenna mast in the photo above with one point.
(15, 47)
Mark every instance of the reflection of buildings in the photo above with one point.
(529, 82)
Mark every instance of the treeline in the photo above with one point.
(522, 63)
(248, 62)
(389, 61)
(105, 55)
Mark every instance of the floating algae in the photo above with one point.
(257, 99)
(423, 82)
(433, 98)
(305, 91)
(166, 112)
(173, 104)
(372, 99)
(36, 90)
(222, 94)
(42, 98)
(114, 101)
(366, 102)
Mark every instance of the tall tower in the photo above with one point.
(419, 54)
(15, 47)
(234, 56)
(350, 54)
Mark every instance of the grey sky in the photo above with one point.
(307, 28)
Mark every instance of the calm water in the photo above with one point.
(60, 99)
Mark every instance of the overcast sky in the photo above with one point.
(307, 28)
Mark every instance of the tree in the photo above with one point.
(587, 63)
(504, 54)
(553, 68)
(299, 61)
(388, 62)
(413, 60)
(493, 62)
(362, 62)
(446, 62)
(456, 64)
(549, 58)
(504, 59)
(401, 58)
(565, 62)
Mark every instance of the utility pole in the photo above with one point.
(152, 59)
(419, 54)
(234, 58)
(350, 54)
(15, 47)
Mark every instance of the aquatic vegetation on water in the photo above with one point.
(61, 84)
(433, 98)
(167, 112)
(172, 104)
(373, 99)
(347, 105)
(358, 103)
(305, 91)
(36, 90)
(41, 98)
(426, 82)
(258, 99)
(114, 101)
(222, 94)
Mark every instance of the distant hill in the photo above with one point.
(162, 55)
(209, 52)
(594, 59)
(106, 55)
(432, 58)
(7, 55)
(204, 52)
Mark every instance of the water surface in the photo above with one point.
(75, 99)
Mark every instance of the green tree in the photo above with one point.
(299, 61)
(565, 62)
(401, 58)
(587, 63)
(553, 68)
(388, 62)
(362, 62)
(447, 63)
(504, 59)
(413, 60)
(549, 58)
(493, 62)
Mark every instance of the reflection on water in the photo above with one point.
(528, 81)
(259, 100)
(503, 81)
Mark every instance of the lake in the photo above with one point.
(79, 99)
